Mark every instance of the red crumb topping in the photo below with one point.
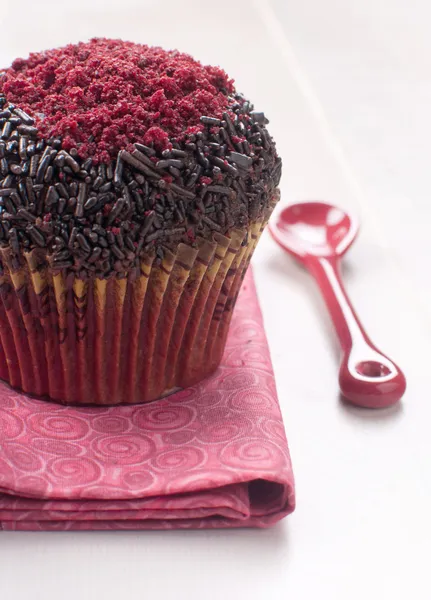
(104, 95)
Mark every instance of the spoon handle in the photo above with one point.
(367, 377)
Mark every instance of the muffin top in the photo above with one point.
(110, 150)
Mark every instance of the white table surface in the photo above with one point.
(346, 85)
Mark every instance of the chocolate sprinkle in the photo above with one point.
(211, 121)
(242, 160)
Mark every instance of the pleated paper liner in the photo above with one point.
(216, 339)
(111, 341)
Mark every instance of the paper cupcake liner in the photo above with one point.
(223, 315)
(112, 341)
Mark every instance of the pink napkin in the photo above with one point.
(214, 455)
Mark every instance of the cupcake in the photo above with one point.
(134, 186)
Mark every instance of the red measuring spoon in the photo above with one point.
(318, 235)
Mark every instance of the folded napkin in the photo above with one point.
(214, 455)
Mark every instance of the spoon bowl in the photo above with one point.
(314, 228)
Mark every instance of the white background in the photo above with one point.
(347, 87)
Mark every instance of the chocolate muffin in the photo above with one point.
(134, 185)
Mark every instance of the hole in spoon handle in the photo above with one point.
(376, 382)
(373, 369)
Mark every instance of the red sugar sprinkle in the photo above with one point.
(118, 92)
(206, 180)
